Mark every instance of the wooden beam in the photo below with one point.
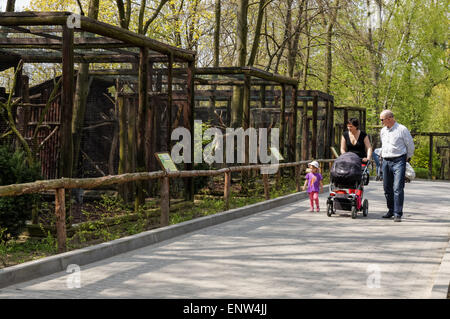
(79, 43)
(251, 71)
(87, 58)
(41, 34)
(114, 32)
(30, 18)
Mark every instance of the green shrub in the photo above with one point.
(15, 210)
(421, 158)
(421, 172)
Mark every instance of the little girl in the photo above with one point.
(313, 181)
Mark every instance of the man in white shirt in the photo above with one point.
(397, 148)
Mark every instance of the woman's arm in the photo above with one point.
(343, 145)
(368, 148)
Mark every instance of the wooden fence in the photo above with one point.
(60, 185)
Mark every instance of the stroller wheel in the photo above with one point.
(365, 209)
(354, 212)
(330, 209)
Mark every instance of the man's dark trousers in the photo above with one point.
(394, 183)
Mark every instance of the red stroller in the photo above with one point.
(348, 178)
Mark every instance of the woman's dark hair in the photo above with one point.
(354, 121)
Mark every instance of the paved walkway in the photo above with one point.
(282, 253)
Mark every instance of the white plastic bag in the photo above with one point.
(409, 172)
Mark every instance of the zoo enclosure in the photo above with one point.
(45, 37)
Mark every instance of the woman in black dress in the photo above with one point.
(356, 141)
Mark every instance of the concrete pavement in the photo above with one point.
(286, 252)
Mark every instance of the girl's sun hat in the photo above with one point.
(315, 164)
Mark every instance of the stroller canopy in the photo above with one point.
(346, 169)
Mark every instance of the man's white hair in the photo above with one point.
(387, 113)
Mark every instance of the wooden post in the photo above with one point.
(226, 190)
(60, 212)
(282, 119)
(326, 129)
(188, 118)
(246, 124)
(305, 131)
(131, 156)
(165, 201)
(298, 186)
(266, 186)
(141, 119)
(293, 130)
(123, 142)
(246, 103)
(314, 128)
(169, 100)
(295, 120)
(430, 160)
(67, 97)
(331, 127)
(364, 119)
(159, 81)
(360, 118)
(212, 102)
(345, 117)
(262, 96)
(149, 129)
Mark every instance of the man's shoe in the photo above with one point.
(397, 219)
(388, 215)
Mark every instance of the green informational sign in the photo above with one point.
(166, 162)
(276, 153)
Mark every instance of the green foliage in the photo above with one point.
(421, 172)
(18, 251)
(101, 217)
(421, 159)
(15, 210)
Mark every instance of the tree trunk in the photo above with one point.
(241, 43)
(10, 6)
(81, 94)
(255, 45)
(217, 12)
